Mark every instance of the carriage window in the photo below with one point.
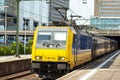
(85, 42)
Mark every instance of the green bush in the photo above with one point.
(4, 51)
(29, 47)
(12, 50)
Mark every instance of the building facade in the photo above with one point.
(34, 13)
(58, 10)
(107, 14)
(8, 11)
(7, 16)
(107, 8)
(106, 23)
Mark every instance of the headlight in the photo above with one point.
(50, 46)
(60, 58)
(38, 57)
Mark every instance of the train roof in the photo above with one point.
(79, 31)
(98, 36)
(53, 28)
(102, 37)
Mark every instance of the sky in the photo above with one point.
(85, 10)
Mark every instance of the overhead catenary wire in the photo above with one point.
(26, 11)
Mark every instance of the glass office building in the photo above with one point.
(8, 10)
(58, 9)
(107, 13)
(8, 13)
(106, 23)
(1, 14)
(107, 8)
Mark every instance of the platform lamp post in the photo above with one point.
(17, 31)
(25, 39)
(50, 7)
(5, 23)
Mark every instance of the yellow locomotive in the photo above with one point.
(59, 49)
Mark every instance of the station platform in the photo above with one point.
(12, 64)
(105, 68)
(13, 58)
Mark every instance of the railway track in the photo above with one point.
(24, 75)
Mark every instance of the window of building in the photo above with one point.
(112, 11)
(35, 23)
(1, 27)
(26, 24)
(2, 16)
(84, 1)
(43, 24)
(111, 2)
(14, 20)
(110, 7)
(10, 19)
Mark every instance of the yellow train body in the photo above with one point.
(54, 54)
(64, 48)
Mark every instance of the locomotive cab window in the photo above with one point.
(51, 39)
(60, 39)
(44, 36)
(60, 36)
